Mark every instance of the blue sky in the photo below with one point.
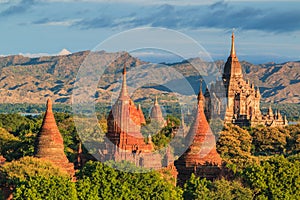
(265, 30)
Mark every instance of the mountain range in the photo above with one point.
(32, 80)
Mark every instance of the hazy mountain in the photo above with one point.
(32, 80)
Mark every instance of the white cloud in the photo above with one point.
(61, 23)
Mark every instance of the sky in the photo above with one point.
(266, 31)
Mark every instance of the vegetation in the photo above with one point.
(275, 178)
(262, 162)
(196, 188)
(28, 178)
(100, 181)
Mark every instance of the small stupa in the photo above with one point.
(50, 143)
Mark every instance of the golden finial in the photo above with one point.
(232, 52)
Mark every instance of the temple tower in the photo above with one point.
(243, 99)
(124, 132)
(156, 113)
(50, 142)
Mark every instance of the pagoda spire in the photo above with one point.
(200, 95)
(232, 67)
(124, 90)
(232, 52)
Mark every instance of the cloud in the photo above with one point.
(50, 22)
(18, 8)
(224, 15)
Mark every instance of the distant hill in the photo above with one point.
(277, 82)
(32, 80)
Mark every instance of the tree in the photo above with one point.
(33, 178)
(234, 146)
(293, 142)
(100, 181)
(200, 188)
(269, 140)
(275, 178)
(196, 188)
(40, 187)
(224, 189)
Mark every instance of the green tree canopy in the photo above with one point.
(234, 146)
(100, 181)
(33, 178)
(197, 189)
(275, 178)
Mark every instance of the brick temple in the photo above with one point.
(125, 140)
(243, 98)
(50, 143)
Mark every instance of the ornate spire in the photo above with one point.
(124, 91)
(200, 95)
(232, 52)
(232, 67)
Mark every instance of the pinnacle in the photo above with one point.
(200, 95)
(232, 52)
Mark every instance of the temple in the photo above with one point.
(201, 158)
(125, 140)
(156, 114)
(243, 98)
(50, 143)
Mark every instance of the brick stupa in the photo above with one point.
(201, 158)
(156, 113)
(50, 143)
